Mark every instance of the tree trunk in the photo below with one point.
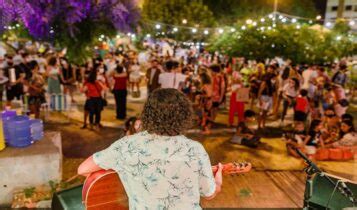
(341, 8)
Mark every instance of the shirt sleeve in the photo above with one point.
(207, 183)
(109, 157)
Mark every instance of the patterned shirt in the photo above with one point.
(160, 172)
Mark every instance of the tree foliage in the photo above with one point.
(173, 12)
(229, 11)
(308, 44)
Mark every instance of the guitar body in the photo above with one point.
(103, 190)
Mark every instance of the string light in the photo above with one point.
(271, 16)
(293, 20)
(262, 20)
(249, 21)
(318, 17)
(328, 24)
(148, 35)
(206, 32)
(233, 30)
(175, 29)
(352, 23)
(244, 27)
(255, 23)
(338, 38)
(184, 21)
(194, 30)
(310, 21)
(158, 26)
(298, 27)
(283, 20)
(220, 31)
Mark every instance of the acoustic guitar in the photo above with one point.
(103, 190)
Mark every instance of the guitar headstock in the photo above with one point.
(234, 168)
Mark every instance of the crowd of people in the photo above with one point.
(269, 89)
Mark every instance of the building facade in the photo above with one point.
(349, 12)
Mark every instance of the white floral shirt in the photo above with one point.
(160, 172)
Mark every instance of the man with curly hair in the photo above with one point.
(159, 167)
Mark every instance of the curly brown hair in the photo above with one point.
(167, 112)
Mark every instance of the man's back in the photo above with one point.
(160, 172)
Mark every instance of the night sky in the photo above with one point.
(321, 6)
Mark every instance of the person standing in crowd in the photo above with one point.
(93, 88)
(166, 115)
(36, 90)
(120, 91)
(152, 76)
(236, 106)
(206, 103)
(69, 78)
(340, 77)
(53, 77)
(16, 75)
(172, 78)
(265, 97)
(289, 92)
(219, 89)
(135, 78)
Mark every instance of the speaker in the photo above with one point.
(70, 199)
(321, 194)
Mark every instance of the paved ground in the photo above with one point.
(257, 189)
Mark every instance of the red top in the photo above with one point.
(302, 104)
(93, 90)
(120, 83)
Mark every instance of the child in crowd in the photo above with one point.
(246, 135)
(302, 106)
(314, 141)
(296, 139)
(132, 126)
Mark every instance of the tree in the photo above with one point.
(173, 12)
(229, 11)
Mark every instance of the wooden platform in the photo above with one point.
(258, 189)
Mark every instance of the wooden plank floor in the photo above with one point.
(259, 189)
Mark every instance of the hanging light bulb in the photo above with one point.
(233, 30)
(184, 21)
(175, 29)
(284, 20)
(148, 35)
(220, 31)
(255, 23)
(328, 24)
(269, 27)
(281, 17)
(262, 20)
(249, 21)
(298, 27)
(271, 16)
(338, 38)
(311, 22)
(157, 26)
(206, 32)
(293, 20)
(244, 27)
(318, 17)
(352, 23)
(194, 30)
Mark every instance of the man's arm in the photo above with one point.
(88, 167)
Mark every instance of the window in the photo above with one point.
(348, 7)
(334, 8)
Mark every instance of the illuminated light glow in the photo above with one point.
(311, 22)
(255, 23)
(175, 29)
(249, 21)
(328, 24)
(100, 39)
(271, 16)
(298, 26)
(262, 20)
(118, 36)
(148, 35)
(206, 32)
(281, 17)
(274, 25)
(162, 33)
(102, 36)
(269, 27)
(273, 45)
(293, 20)
(318, 17)
(52, 31)
(233, 29)
(338, 38)
(129, 34)
(133, 36)
(157, 26)
(244, 27)
(284, 20)
(184, 21)
(17, 25)
(194, 30)
(352, 23)
(220, 31)
(262, 28)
